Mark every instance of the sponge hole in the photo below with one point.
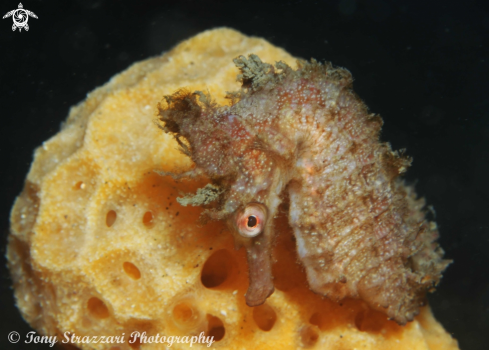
(110, 218)
(80, 185)
(371, 321)
(148, 219)
(315, 319)
(215, 328)
(186, 315)
(309, 336)
(97, 308)
(359, 320)
(217, 269)
(318, 319)
(131, 270)
(265, 317)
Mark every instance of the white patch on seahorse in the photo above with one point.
(301, 246)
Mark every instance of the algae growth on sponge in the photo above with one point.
(99, 244)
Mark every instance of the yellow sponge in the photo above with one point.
(99, 246)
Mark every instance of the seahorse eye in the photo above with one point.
(251, 220)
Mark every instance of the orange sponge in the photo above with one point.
(99, 246)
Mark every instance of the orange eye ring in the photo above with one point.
(251, 220)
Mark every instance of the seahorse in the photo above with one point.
(304, 137)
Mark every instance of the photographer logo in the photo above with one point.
(20, 17)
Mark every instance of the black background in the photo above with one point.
(422, 65)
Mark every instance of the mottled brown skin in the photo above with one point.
(304, 135)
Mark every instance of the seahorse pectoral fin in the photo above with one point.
(260, 270)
